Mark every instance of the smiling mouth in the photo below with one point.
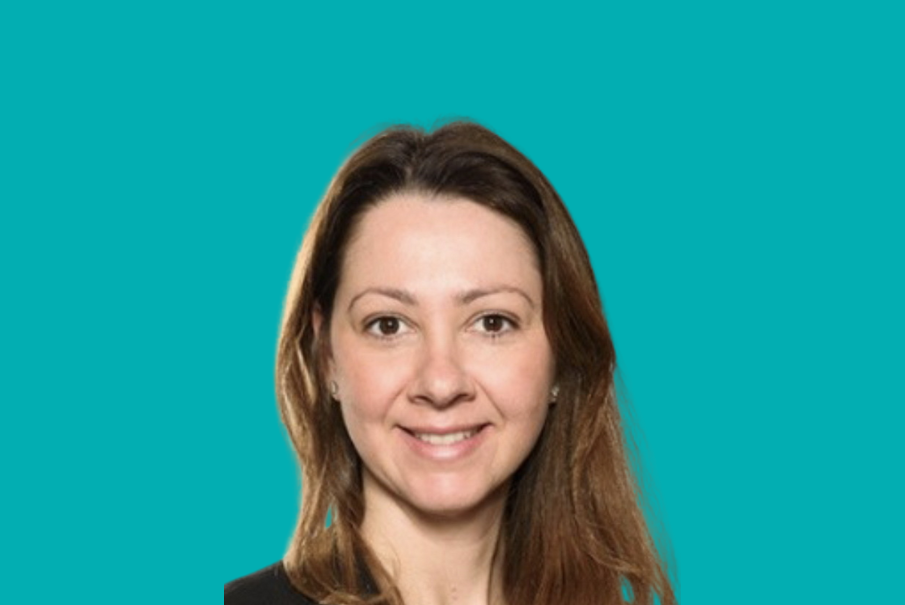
(445, 439)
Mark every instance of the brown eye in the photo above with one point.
(494, 323)
(387, 326)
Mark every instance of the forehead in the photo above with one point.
(413, 236)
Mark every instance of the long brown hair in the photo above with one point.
(573, 528)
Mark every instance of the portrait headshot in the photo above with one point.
(446, 375)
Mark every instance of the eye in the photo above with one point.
(385, 326)
(495, 324)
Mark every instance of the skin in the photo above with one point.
(444, 373)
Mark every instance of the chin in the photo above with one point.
(453, 504)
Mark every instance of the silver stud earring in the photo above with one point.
(334, 389)
(554, 393)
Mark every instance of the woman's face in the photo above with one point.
(439, 353)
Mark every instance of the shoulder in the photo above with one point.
(269, 586)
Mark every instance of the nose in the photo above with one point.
(441, 379)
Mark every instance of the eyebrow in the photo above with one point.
(402, 296)
(472, 295)
(464, 298)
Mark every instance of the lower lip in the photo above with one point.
(446, 452)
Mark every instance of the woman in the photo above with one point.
(445, 373)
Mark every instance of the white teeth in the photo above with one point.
(447, 439)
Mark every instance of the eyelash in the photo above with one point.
(372, 326)
(510, 324)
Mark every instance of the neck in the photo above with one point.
(438, 560)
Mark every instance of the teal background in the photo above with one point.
(736, 170)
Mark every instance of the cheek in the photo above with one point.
(520, 383)
(368, 383)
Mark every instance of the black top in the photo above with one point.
(270, 586)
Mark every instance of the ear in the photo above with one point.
(317, 320)
(322, 338)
